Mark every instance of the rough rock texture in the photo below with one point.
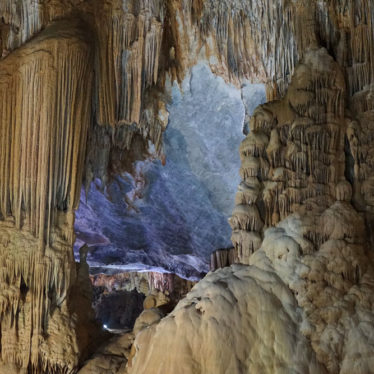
(111, 357)
(332, 283)
(221, 258)
(44, 120)
(293, 153)
(144, 282)
(296, 309)
(302, 223)
(82, 86)
(237, 320)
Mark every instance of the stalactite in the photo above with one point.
(246, 217)
(42, 165)
(250, 167)
(290, 161)
(29, 277)
(43, 128)
(254, 144)
(248, 192)
(300, 162)
(222, 258)
(128, 64)
(245, 243)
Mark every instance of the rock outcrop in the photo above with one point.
(144, 282)
(295, 309)
(294, 152)
(237, 320)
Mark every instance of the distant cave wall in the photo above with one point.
(172, 214)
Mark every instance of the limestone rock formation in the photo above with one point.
(111, 357)
(332, 283)
(301, 224)
(44, 120)
(293, 153)
(221, 258)
(296, 309)
(237, 320)
(119, 299)
(83, 95)
(144, 282)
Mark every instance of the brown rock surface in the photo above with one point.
(81, 94)
(300, 175)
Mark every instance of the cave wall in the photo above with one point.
(83, 83)
(304, 303)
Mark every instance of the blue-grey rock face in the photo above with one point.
(171, 217)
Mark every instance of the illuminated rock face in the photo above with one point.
(217, 330)
(84, 89)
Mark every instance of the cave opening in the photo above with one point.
(171, 212)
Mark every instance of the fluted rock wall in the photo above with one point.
(45, 114)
